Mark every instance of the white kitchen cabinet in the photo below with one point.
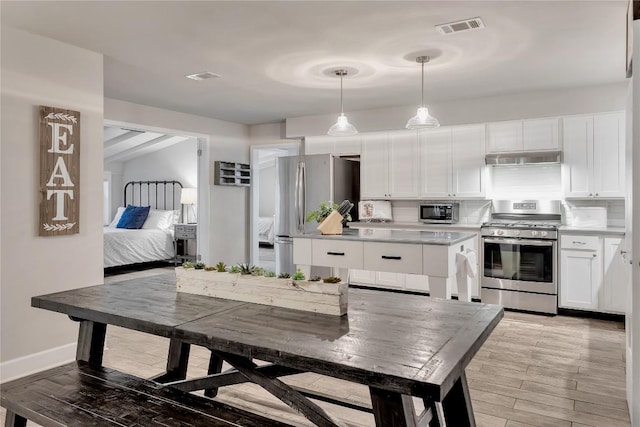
(594, 158)
(416, 283)
(504, 136)
(363, 277)
(523, 135)
(453, 163)
(614, 285)
(390, 165)
(338, 146)
(540, 134)
(581, 279)
(592, 275)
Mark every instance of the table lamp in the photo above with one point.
(189, 196)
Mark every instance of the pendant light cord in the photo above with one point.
(422, 97)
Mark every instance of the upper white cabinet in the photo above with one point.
(453, 162)
(523, 135)
(338, 146)
(594, 158)
(390, 165)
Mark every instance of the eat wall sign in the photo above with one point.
(59, 171)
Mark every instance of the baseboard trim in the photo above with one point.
(26, 365)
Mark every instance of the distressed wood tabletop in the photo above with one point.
(407, 344)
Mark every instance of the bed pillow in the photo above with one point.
(159, 219)
(133, 217)
(116, 218)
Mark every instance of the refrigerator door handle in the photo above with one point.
(300, 201)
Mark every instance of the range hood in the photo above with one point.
(524, 158)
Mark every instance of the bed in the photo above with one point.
(266, 233)
(154, 241)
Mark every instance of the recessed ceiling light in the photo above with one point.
(464, 25)
(202, 76)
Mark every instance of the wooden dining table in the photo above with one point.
(399, 345)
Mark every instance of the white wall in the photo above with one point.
(224, 233)
(267, 201)
(522, 105)
(40, 71)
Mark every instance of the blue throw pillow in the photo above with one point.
(133, 217)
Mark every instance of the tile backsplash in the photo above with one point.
(471, 211)
(479, 211)
(615, 210)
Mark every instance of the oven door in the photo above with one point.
(520, 265)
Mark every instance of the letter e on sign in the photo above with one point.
(59, 171)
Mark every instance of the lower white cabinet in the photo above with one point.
(592, 274)
(615, 284)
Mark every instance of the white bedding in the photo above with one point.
(123, 246)
(266, 233)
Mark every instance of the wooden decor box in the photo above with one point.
(318, 297)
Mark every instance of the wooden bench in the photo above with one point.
(77, 394)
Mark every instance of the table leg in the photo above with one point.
(14, 420)
(215, 367)
(457, 405)
(91, 342)
(177, 362)
(392, 409)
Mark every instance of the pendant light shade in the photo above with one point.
(422, 119)
(342, 126)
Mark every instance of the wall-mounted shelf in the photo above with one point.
(232, 173)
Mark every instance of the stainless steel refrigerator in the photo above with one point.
(302, 183)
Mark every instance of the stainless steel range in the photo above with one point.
(519, 256)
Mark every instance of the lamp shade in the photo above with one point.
(189, 196)
(342, 127)
(422, 120)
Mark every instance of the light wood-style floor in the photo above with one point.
(533, 371)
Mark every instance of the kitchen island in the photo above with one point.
(428, 253)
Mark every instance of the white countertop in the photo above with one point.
(391, 225)
(569, 229)
(394, 236)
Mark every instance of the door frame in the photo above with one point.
(204, 202)
(254, 204)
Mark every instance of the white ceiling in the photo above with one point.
(122, 144)
(273, 55)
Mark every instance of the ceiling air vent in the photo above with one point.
(202, 76)
(464, 25)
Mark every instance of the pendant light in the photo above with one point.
(422, 119)
(342, 126)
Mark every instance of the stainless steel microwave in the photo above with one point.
(439, 213)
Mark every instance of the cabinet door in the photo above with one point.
(468, 165)
(504, 136)
(347, 145)
(581, 279)
(373, 166)
(416, 283)
(435, 153)
(578, 156)
(319, 145)
(390, 280)
(540, 135)
(364, 277)
(608, 155)
(614, 286)
(404, 164)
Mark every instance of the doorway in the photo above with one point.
(264, 198)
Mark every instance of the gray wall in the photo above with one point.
(40, 71)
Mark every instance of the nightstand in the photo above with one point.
(182, 234)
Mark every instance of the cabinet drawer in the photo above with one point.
(185, 232)
(393, 257)
(331, 253)
(591, 243)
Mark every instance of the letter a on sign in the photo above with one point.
(59, 171)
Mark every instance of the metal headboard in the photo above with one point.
(163, 195)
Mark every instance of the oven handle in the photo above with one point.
(521, 242)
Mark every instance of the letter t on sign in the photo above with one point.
(59, 171)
